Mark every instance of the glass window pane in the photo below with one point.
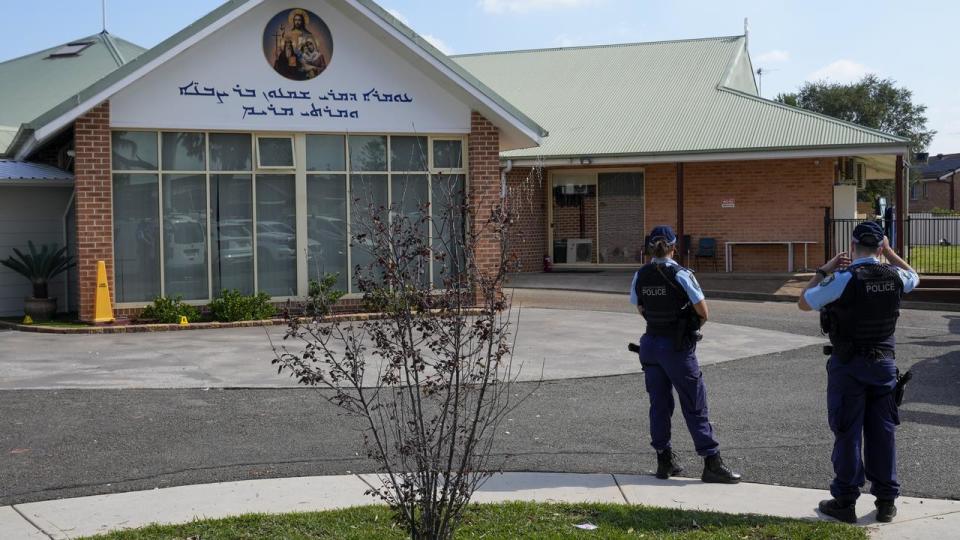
(134, 150)
(410, 199)
(136, 237)
(620, 200)
(231, 237)
(449, 197)
(183, 152)
(326, 153)
(230, 152)
(368, 153)
(275, 151)
(447, 154)
(368, 196)
(276, 234)
(327, 227)
(185, 236)
(408, 153)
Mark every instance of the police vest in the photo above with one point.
(865, 316)
(661, 296)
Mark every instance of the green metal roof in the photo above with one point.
(33, 84)
(672, 97)
(80, 93)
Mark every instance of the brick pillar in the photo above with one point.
(94, 203)
(483, 154)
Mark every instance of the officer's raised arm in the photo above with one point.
(821, 291)
(907, 274)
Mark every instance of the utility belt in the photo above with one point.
(846, 351)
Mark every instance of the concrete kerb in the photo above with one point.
(70, 518)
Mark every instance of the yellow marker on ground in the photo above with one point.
(27, 319)
(183, 320)
(103, 310)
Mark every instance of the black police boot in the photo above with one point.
(844, 510)
(886, 510)
(715, 472)
(668, 464)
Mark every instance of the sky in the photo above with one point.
(913, 43)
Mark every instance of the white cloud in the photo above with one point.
(438, 43)
(773, 57)
(566, 40)
(526, 6)
(840, 71)
(431, 39)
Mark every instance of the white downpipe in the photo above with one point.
(503, 178)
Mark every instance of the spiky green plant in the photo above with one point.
(40, 266)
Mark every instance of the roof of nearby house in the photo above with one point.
(15, 172)
(33, 84)
(940, 165)
(503, 112)
(688, 96)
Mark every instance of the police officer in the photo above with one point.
(860, 303)
(664, 293)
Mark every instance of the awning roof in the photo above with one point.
(13, 172)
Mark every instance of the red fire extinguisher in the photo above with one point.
(547, 264)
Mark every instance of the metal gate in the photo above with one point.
(932, 242)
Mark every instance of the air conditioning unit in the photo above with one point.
(575, 189)
(579, 250)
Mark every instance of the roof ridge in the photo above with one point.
(601, 46)
(107, 40)
(897, 138)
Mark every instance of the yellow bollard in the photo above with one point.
(103, 310)
(184, 321)
(27, 319)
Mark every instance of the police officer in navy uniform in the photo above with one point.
(860, 303)
(665, 293)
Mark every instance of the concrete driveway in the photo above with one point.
(559, 343)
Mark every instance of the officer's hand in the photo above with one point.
(885, 246)
(839, 262)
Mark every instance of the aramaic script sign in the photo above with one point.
(254, 102)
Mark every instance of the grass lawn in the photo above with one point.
(935, 259)
(506, 521)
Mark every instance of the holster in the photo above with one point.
(898, 390)
(688, 330)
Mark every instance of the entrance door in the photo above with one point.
(573, 200)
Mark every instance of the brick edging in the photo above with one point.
(150, 328)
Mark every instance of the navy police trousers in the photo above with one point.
(666, 369)
(861, 405)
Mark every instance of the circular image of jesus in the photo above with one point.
(297, 44)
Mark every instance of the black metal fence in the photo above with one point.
(932, 242)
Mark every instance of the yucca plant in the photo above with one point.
(40, 266)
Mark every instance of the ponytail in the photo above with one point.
(661, 248)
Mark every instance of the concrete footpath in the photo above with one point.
(84, 516)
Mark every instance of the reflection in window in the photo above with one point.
(326, 153)
(230, 152)
(276, 234)
(275, 151)
(410, 199)
(327, 227)
(369, 199)
(136, 241)
(448, 154)
(134, 150)
(448, 199)
(185, 236)
(231, 235)
(408, 154)
(368, 153)
(183, 151)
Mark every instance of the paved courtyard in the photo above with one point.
(76, 422)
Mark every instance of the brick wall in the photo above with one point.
(483, 146)
(934, 195)
(94, 203)
(774, 200)
(527, 190)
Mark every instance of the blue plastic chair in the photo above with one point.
(706, 249)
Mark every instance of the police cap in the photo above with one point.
(662, 232)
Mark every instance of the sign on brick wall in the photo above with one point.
(728, 203)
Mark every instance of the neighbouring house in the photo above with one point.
(228, 155)
(936, 187)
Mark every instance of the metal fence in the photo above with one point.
(932, 242)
